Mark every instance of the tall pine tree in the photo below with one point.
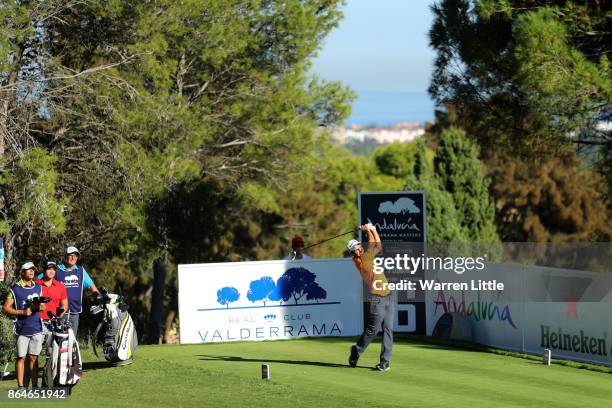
(459, 172)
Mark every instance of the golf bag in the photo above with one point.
(116, 331)
(63, 367)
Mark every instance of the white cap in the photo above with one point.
(28, 265)
(72, 250)
(352, 244)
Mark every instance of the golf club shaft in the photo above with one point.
(329, 239)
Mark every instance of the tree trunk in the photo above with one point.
(7, 96)
(168, 326)
(157, 301)
(10, 257)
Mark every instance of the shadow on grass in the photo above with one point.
(89, 366)
(96, 365)
(258, 360)
(413, 340)
(420, 341)
(442, 346)
(537, 362)
(424, 342)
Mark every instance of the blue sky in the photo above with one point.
(379, 46)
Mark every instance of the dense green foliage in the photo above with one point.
(142, 131)
(7, 336)
(523, 73)
(175, 132)
(458, 205)
(362, 148)
(530, 81)
(459, 172)
(172, 132)
(396, 160)
(552, 200)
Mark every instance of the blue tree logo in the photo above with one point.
(262, 289)
(276, 295)
(297, 283)
(315, 292)
(227, 295)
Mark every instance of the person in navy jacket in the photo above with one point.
(75, 278)
(28, 324)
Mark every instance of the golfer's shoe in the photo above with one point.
(353, 357)
(383, 366)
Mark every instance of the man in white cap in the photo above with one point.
(28, 325)
(382, 305)
(75, 278)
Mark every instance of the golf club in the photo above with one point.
(327, 239)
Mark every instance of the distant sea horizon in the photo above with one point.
(386, 108)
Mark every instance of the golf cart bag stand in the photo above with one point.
(5, 373)
(116, 331)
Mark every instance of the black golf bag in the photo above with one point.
(116, 331)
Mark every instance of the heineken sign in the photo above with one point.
(575, 342)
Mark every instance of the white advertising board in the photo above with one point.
(496, 317)
(566, 311)
(575, 322)
(269, 300)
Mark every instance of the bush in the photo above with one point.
(7, 336)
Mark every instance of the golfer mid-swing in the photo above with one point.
(382, 305)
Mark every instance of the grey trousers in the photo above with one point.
(74, 323)
(380, 316)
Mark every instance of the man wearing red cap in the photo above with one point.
(297, 243)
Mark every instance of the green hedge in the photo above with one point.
(7, 336)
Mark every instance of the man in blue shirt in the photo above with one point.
(75, 278)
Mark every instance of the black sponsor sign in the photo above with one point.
(400, 218)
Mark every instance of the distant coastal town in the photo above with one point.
(402, 132)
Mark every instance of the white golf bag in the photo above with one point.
(116, 330)
(63, 367)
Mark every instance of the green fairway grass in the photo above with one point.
(313, 373)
